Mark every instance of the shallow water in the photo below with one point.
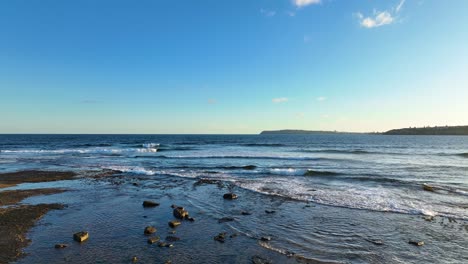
(333, 195)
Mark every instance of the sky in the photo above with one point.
(219, 66)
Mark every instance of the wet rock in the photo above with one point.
(135, 184)
(225, 219)
(191, 219)
(174, 223)
(428, 218)
(172, 238)
(164, 244)
(270, 211)
(59, 246)
(150, 204)
(245, 213)
(173, 206)
(265, 238)
(221, 237)
(180, 212)
(260, 260)
(134, 259)
(230, 196)
(81, 236)
(153, 240)
(416, 243)
(428, 187)
(150, 230)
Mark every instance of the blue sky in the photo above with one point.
(241, 66)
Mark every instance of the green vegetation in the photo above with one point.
(437, 130)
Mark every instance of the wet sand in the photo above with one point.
(16, 219)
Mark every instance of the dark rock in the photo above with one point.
(134, 259)
(150, 204)
(260, 260)
(427, 187)
(180, 213)
(81, 236)
(225, 219)
(230, 196)
(191, 219)
(150, 230)
(174, 223)
(270, 211)
(416, 243)
(245, 213)
(265, 238)
(61, 246)
(172, 238)
(153, 240)
(173, 206)
(221, 237)
(164, 244)
(135, 184)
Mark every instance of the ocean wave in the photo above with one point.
(94, 150)
(370, 198)
(131, 169)
(345, 151)
(263, 145)
(464, 155)
(320, 173)
(235, 157)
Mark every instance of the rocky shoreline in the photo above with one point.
(15, 218)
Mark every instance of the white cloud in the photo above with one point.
(302, 3)
(399, 6)
(267, 13)
(321, 98)
(380, 18)
(279, 100)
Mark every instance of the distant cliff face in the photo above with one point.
(447, 130)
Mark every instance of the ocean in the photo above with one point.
(333, 196)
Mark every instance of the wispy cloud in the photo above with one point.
(380, 18)
(302, 3)
(321, 98)
(89, 101)
(279, 100)
(267, 13)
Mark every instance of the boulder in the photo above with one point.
(416, 243)
(180, 212)
(230, 196)
(153, 240)
(221, 237)
(174, 223)
(164, 244)
(150, 204)
(59, 246)
(428, 187)
(150, 230)
(81, 236)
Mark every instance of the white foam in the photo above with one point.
(130, 169)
